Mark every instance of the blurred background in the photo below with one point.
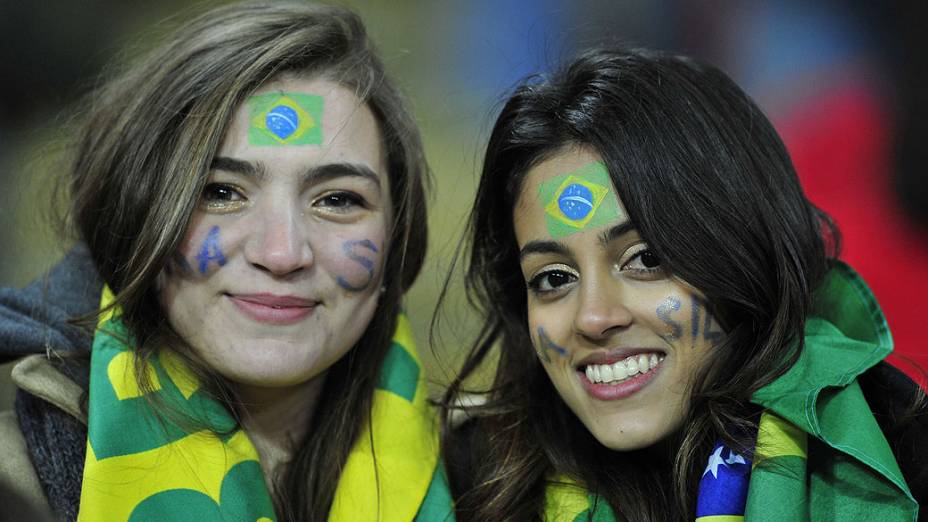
(844, 83)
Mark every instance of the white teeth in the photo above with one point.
(632, 364)
(621, 370)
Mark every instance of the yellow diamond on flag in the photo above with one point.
(575, 201)
(285, 119)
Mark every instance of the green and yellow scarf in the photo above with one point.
(141, 467)
(723, 488)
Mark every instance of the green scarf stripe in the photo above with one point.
(845, 300)
(400, 373)
(601, 510)
(149, 430)
(236, 500)
(877, 320)
(776, 491)
(863, 439)
(438, 506)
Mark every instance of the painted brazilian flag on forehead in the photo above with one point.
(579, 200)
(285, 119)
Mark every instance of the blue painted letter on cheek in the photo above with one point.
(546, 345)
(671, 304)
(366, 262)
(210, 251)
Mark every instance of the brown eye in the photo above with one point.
(644, 262)
(649, 259)
(551, 281)
(340, 201)
(221, 193)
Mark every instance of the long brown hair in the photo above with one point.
(141, 161)
(691, 156)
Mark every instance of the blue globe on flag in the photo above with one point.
(576, 201)
(282, 121)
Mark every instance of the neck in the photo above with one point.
(277, 419)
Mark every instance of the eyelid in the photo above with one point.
(219, 204)
(554, 268)
(632, 251)
(354, 202)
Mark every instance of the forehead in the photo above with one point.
(306, 120)
(567, 193)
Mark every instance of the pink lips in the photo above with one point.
(273, 309)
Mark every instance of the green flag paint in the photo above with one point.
(285, 119)
(579, 200)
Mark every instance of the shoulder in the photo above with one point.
(899, 407)
(20, 492)
(60, 382)
(44, 443)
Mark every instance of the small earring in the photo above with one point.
(383, 289)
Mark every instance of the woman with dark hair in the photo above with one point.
(251, 196)
(676, 336)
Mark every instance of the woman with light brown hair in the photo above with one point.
(251, 196)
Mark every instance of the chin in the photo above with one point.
(267, 377)
(619, 436)
(271, 367)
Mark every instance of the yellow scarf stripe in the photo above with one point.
(776, 437)
(404, 439)
(565, 500)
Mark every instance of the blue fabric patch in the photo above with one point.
(723, 489)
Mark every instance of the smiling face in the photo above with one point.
(620, 339)
(279, 272)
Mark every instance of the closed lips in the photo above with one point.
(275, 301)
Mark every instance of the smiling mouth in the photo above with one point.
(623, 370)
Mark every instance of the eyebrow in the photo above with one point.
(316, 174)
(610, 235)
(555, 247)
(542, 247)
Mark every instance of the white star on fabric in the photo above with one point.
(734, 458)
(714, 461)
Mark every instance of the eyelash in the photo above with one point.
(212, 200)
(536, 282)
(646, 270)
(347, 200)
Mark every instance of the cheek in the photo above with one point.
(204, 250)
(355, 261)
(685, 320)
(545, 332)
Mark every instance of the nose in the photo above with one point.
(279, 242)
(602, 311)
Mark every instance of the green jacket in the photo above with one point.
(851, 472)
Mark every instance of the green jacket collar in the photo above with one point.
(845, 335)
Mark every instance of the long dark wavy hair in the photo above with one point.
(142, 158)
(710, 187)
